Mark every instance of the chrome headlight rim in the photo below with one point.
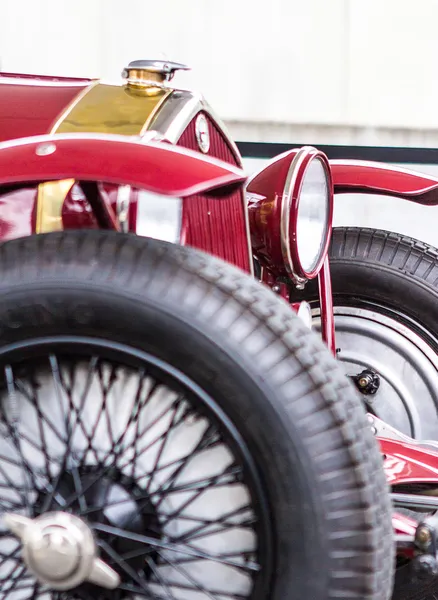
(290, 211)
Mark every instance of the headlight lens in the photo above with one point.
(313, 216)
(290, 209)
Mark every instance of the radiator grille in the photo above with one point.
(216, 226)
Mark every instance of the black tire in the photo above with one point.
(395, 277)
(319, 464)
(393, 270)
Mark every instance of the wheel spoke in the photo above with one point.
(177, 548)
(135, 456)
(195, 584)
(13, 578)
(124, 565)
(223, 523)
(212, 594)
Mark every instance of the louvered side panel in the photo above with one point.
(216, 226)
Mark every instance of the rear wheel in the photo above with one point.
(385, 293)
(172, 408)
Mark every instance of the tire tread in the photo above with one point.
(363, 570)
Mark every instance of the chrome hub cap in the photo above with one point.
(407, 366)
(60, 550)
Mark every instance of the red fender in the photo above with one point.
(157, 167)
(362, 177)
(408, 463)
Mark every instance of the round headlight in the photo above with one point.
(307, 211)
(290, 208)
(313, 215)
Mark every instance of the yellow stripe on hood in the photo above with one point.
(100, 108)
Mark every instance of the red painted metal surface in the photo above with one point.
(218, 228)
(408, 463)
(77, 212)
(115, 159)
(326, 304)
(100, 203)
(404, 524)
(17, 213)
(281, 289)
(264, 194)
(43, 78)
(30, 107)
(266, 197)
(378, 178)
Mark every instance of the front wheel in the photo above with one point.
(167, 406)
(385, 291)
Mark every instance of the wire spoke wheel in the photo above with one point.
(170, 430)
(147, 461)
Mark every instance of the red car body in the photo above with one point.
(56, 132)
(32, 106)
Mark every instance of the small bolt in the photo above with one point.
(45, 149)
(276, 289)
(423, 536)
(367, 382)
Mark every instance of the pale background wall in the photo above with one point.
(307, 71)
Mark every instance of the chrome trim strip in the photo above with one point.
(286, 205)
(248, 233)
(221, 125)
(43, 82)
(176, 114)
(123, 203)
(384, 430)
(381, 166)
(179, 110)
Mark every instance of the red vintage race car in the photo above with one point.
(170, 426)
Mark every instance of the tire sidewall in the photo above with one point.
(283, 464)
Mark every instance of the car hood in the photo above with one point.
(37, 105)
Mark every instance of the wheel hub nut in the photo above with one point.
(367, 382)
(60, 550)
(423, 536)
(57, 557)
